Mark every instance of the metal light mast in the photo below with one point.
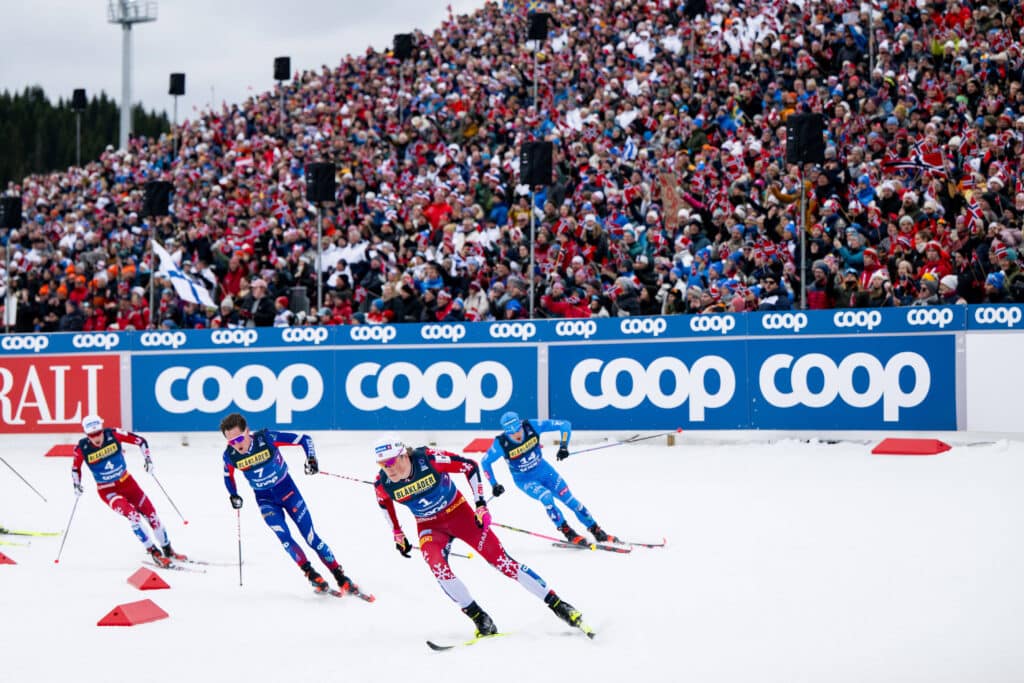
(126, 13)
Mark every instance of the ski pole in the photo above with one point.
(24, 480)
(239, 524)
(626, 441)
(530, 533)
(344, 476)
(67, 530)
(169, 498)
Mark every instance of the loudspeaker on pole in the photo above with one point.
(538, 28)
(78, 101)
(805, 142)
(403, 46)
(535, 166)
(282, 68)
(157, 199)
(320, 183)
(177, 85)
(10, 212)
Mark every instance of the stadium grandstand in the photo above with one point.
(671, 188)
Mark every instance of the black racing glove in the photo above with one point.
(562, 454)
(236, 502)
(497, 490)
(402, 544)
(312, 466)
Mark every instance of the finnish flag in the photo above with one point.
(185, 287)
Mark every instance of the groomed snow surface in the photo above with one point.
(787, 561)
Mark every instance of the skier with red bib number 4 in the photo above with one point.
(420, 479)
(101, 450)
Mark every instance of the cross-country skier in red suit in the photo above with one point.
(101, 451)
(419, 478)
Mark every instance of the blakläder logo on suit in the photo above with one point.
(213, 389)
(938, 316)
(866, 319)
(444, 386)
(447, 332)
(521, 331)
(784, 321)
(645, 384)
(651, 326)
(883, 381)
(992, 315)
(24, 342)
(297, 335)
(173, 339)
(99, 340)
(245, 337)
(381, 333)
(576, 328)
(712, 323)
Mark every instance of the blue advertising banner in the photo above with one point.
(62, 343)
(650, 386)
(843, 383)
(192, 392)
(432, 388)
(996, 317)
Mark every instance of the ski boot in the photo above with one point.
(170, 554)
(158, 557)
(571, 536)
(564, 610)
(600, 535)
(345, 584)
(483, 623)
(317, 581)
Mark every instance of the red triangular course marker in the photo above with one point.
(147, 580)
(132, 613)
(61, 450)
(6, 560)
(479, 445)
(910, 447)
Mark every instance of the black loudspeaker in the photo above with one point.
(695, 8)
(320, 183)
(538, 29)
(535, 163)
(10, 212)
(177, 85)
(282, 68)
(157, 199)
(403, 46)
(78, 102)
(805, 141)
(298, 301)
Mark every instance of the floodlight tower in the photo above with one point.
(126, 13)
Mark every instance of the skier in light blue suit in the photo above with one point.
(519, 443)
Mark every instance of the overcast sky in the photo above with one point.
(226, 48)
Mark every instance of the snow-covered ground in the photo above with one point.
(787, 561)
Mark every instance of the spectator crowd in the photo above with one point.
(670, 191)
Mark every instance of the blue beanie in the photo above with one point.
(510, 422)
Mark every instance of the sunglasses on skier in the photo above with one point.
(235, 441)
(390, 462)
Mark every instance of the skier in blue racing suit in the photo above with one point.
(519, 443)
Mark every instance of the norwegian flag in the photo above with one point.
(966, 143)
(974, 219)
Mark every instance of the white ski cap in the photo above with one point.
(92, 424)
(387, 446)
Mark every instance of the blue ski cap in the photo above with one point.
(511, 423)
